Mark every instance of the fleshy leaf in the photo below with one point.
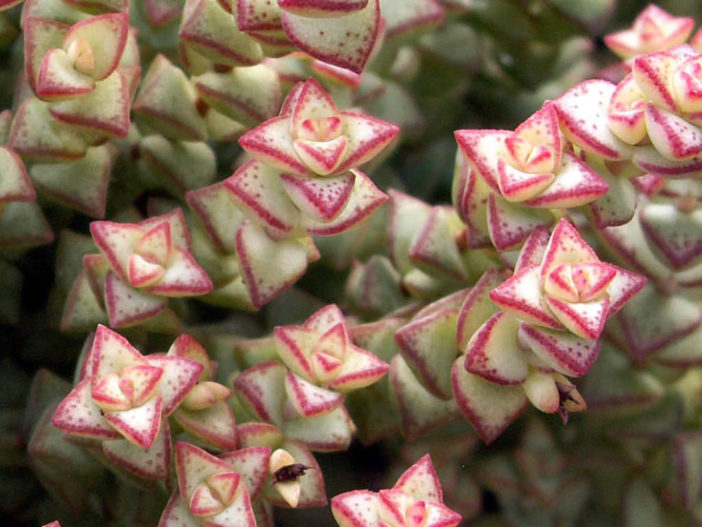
(652, 73)
(494, 353)
(489, 407)
(482, 148)
(150, 463)
(104, 110)
(356, 508)
(582, 112)
(674, 137)
(78, 414)
(521, 294)
(193, 466)
(215, 208)
(40, 36)
(249, 95)
(80, 184)
(585, 319)
(420, 411)
(57, 79)
(116, 242)
(575, 184)
(257, 188)
(322, 8)
(271, 143)
(476, 308)
(646, 330)
(344, 41)
(566, 246)
(262, 389)
(127, 306)
(310, 400)
(166, 102)
(365, 198)
(322, 199)
(329, 432)
(677, 235)
(367, 137)
(435, 246)
(215, 425)
(410, 16)
(252, 464)
(252, 15)
(15, 184)
(36, 134)
(141, 424)
(212, 32)
(428, 346)
(268, 266)
(179, 376)
(653, 29)
(182, 277)
(566, 353)
(360, 369)
(293, 344)
(510, 224)
(421, 481)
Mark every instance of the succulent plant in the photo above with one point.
(295, 250)
(416, 499)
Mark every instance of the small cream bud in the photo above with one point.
(204, 395)
(81, 54)
(289, 490)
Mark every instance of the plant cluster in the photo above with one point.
(239, 207)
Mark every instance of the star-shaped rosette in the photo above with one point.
(497, 373)
(536, 168)
(532, 164)
(491, 219)
(64, 62)
(122, 399)
(212, 491)
(415, 500)
(322, 352)
(312, 137)
(503, 178)
(141, 264)
(669, 83)
(569, 289)
(654, 29)
(651, 117)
